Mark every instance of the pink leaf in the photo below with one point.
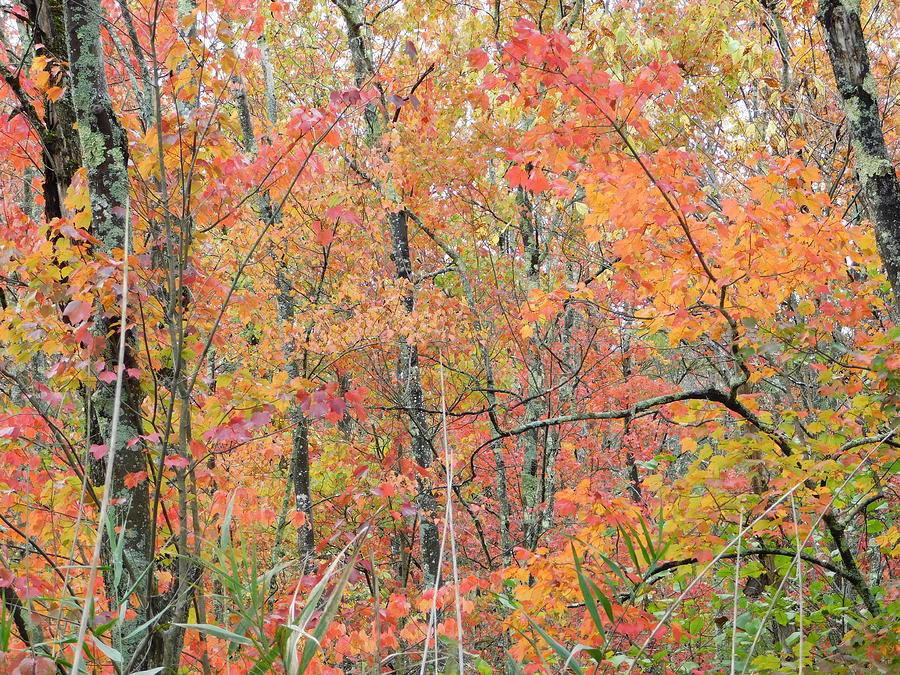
(176, 461)
(77, 311)
(99, 451)
(260, 419)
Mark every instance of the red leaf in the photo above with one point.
(30, 665)
(516, 176)
(260, 419)
(704, 556)
(107, 376)
(477, 58)
(355, 396)
(133, 479)
(537, 182)
(298, 519)
(385, 490)
(197, 449)
(324, 235)
(99, 451)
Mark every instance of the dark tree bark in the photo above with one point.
(874, 168)
(61, 152)
(104, 151)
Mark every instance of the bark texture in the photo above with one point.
(104, 152)
(875, 170)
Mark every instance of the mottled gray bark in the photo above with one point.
(880, 188)
(299, 476)
(837, 530)
(105, 155)
(531, 474)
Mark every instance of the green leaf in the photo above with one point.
(696, 625)
(225, 537)
(111, 653)
(874, 526)
(615, 568)
(264, 664)
(587, 594)
(596, 653)
(766, 662)
(631, 553)
(607, 605)
(649, 541)
(482, 667)
(217, 631)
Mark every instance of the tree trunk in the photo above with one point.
(105, 154)
(61, 155)
(408, 374)
(874, 169)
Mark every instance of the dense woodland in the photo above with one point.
(407, 336)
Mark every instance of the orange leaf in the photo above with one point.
(298, 519)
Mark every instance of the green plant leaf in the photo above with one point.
(217, 631)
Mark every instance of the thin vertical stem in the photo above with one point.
(799, 564)
(737, 580)
(448, 462)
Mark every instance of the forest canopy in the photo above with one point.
(383, 336)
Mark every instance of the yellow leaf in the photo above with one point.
(82, 219)
(42, 80)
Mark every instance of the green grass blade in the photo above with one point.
(587, 594)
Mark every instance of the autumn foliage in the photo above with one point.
(458, 337)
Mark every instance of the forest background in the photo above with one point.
(366, 336)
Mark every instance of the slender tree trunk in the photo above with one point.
(299, 489)
(490, 387)
(531, 472)
(875, 171)
(408, 373)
